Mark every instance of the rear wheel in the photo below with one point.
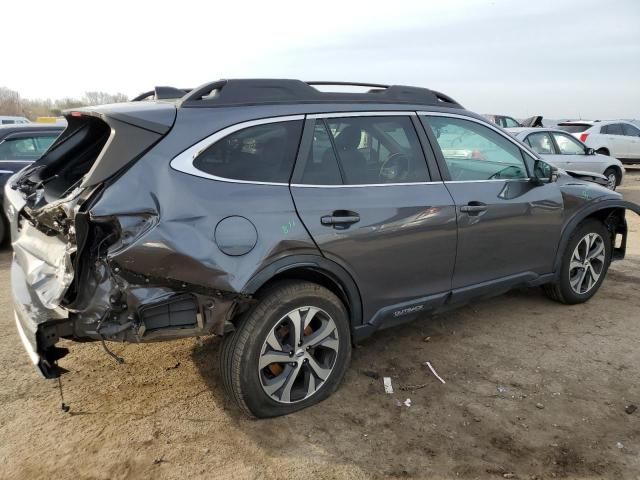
(584, 264)
(4, 230)
(613, 178)
(289, 352)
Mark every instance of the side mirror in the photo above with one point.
(544, 173)
(590, 151)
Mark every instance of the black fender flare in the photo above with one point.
(589, 210)
(316, 263)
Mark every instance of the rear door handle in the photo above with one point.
(474, 208)
(340, 219)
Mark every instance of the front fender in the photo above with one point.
(587, 211)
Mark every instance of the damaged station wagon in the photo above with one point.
(291, 221)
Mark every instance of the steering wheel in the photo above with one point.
(395, 167)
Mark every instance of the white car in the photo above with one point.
(10, 120)
(562, 150)
(618, 138)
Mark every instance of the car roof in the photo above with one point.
(520, 131)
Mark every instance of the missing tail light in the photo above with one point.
(583, 137)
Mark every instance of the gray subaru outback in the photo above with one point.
(292, 222)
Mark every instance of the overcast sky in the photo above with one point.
(550, 57)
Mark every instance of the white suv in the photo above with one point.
(617, 138)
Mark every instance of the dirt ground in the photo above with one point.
(533, 389)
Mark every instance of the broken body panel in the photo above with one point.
(109, 246)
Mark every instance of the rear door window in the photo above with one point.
(261, 153)
(541, 143)
(568, 145)
(475, 152)
(612, 129)
(376, 149)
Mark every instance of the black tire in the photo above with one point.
(561, 290)
(4, 230)
(612, 171)
(603, 151)
(241, 350)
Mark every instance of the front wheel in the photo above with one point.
(290, 351)
(584, 264)
(612, 178)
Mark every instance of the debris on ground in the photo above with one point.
(501, 389)
(371, 374)
(173, 367)
(539, 405)
(158, 461)
(412, 387)
(426, 339)
(630, 408)
(619, 445)
(388, 388)
(407, 402)
(509, 475)
(433, 370)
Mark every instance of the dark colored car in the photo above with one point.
(292, 222)
(20, 145)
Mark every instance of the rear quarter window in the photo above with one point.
(261, 153)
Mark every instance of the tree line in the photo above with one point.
(11, 103)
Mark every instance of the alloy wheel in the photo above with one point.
(612, 181)
(587, 263)
(298, 355)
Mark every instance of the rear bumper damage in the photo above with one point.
(70, 284)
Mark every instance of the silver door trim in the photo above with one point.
(391, 113)
(309, 185)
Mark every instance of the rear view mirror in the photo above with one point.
(590, 151)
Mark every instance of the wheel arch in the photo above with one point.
(314, 269)
(611, 213)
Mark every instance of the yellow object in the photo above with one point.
(46, 120)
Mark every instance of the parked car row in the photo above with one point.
(293, 223)
(617, 140)
(21, 143)
(562, 150)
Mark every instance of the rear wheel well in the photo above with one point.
(613, 219)
(603, 151)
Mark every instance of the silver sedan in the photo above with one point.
(563, 150)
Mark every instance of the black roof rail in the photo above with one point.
(278, 91)
(162, 93)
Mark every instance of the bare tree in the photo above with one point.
(10, 102)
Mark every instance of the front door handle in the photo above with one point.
(340, 219)
(474, 208)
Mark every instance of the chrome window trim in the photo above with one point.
(309, 185)
(486, 124)
(183, 162)
(392, 113)
(525, 179)
(18, 161)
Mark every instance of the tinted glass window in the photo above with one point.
(510, 123)
(321, 167)
(374, 150)
(612, 129)
(568, 145)
(264, 153)
(42, 143)
(475, 152)
(574, 128)
(630, 130)
(28, 148)
(541, 143)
